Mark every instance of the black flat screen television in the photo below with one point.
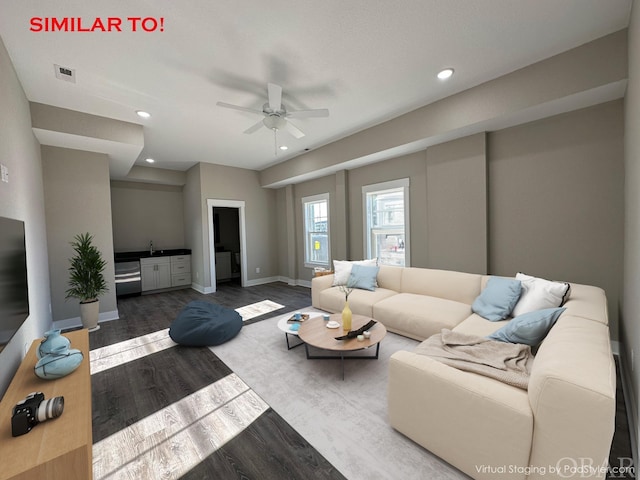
(14, 291)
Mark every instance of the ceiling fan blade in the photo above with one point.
(275, 96)
(238, 107)
(254, 128)
(293, 130)
(320, 112)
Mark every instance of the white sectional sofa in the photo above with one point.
(560, 427)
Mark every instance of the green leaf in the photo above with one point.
(86, 279)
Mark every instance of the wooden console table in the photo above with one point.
(59, 448)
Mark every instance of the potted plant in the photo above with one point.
(86, 280)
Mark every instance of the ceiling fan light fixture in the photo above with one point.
(445, 74)
(274, 122)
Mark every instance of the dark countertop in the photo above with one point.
(133, 256)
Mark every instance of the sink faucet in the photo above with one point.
(151, 247)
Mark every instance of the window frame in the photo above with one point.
(307, 251)
(382, 187)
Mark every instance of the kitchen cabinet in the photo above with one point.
(180, 270)
(156, 273)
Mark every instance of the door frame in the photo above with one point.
(240, 205)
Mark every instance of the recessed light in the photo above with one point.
(150, 160)
(284, 147)
(446, 73)
(143, 114)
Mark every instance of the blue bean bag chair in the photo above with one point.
(203, 324)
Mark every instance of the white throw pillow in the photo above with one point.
(342, 269)
(538, 293)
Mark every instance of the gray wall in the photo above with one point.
(144, 212)
(630, 327)
(77, 200)
(409, 166)
(208, 181)
(194, 229)
(545, 198)
(556, 200)
(456, 237)
(282, 236)
(545, 88)
(22, 199)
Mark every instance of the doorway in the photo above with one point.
(227, 242)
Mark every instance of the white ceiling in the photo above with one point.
(367, 61)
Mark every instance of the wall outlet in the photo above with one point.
(257, 269)
(4, 171)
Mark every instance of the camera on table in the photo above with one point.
(32, 410)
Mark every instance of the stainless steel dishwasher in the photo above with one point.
(128, 279)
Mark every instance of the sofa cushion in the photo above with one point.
(538, 293)
(390, 277)
(457, 286)
(498, 298)
(481, 327)
(466, 419)
(588, 302)
(363, 277)
(572, 391)
(529, 328)
(360, 301)
(419, 316)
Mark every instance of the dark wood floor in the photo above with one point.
(144, 314)
(269, 448)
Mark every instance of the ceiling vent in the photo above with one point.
(65, 73)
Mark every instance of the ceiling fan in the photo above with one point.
(276, 116)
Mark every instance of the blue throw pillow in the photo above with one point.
(497, 300)
(529, 328)
(363, 276)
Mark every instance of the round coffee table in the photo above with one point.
(314, 333)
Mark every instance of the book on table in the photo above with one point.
(303, 317)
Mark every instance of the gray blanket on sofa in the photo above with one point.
(508, 362)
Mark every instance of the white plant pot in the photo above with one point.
(89, 315)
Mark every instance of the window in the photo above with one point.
(316, 231)
(386, 228)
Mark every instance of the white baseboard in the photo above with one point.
(200, 289)
(77, 322)
(261, 281)
(294, 282)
